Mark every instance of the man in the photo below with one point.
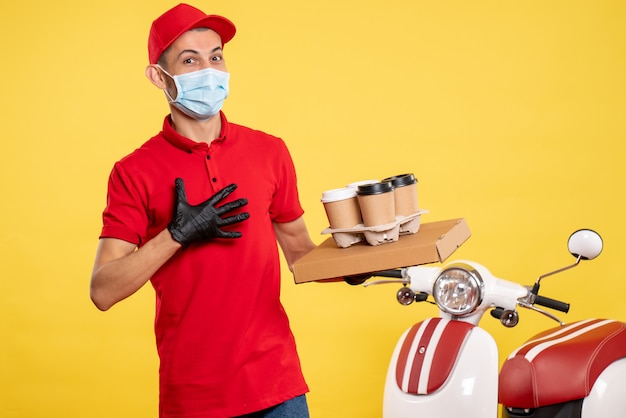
(175, 217)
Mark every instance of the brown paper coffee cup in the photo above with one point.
(342, 208)
(377, 203)
(405, 194)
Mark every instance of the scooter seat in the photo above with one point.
(560, 364)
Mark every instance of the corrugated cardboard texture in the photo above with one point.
(434, 242)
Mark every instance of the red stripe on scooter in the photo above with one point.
(547, 335)
(426, 356)
(418, 359)
(403, 357)
(446, 353)
(404, 353)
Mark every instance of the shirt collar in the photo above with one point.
(185, 143)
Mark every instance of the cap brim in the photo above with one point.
(222, 26)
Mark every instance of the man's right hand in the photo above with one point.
(203, 222)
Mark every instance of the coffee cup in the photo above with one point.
(376, 201)
(405, 193)
(342, 207)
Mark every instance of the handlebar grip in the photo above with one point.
(552, 303)
(397, 274)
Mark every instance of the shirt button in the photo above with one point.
(214, 179)
(208, 157)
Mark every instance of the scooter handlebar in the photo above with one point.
(388, 273)
(552, 303)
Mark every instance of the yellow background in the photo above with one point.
(510, 113)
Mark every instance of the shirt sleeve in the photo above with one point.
(125, 216)
(286, 205)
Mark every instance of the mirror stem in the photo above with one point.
(535, 289)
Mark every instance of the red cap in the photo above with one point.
(178, 20)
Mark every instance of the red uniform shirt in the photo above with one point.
(222, 335)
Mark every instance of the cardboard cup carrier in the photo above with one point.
(382, 210)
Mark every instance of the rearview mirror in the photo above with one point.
(585, 243)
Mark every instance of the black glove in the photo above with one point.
(203, 222)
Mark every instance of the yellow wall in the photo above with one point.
(510, 113)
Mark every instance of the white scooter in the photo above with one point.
(448, 366)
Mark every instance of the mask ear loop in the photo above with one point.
(167, 94)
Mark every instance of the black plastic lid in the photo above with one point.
(402, 180)
(375, 188)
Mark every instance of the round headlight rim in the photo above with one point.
(477, 280)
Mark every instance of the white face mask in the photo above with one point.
(201, 93)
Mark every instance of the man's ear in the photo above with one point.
(156, 76)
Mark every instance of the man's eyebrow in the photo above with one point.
(193, 51)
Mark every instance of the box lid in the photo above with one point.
(434, 242)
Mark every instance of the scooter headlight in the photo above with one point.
(458, 290)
